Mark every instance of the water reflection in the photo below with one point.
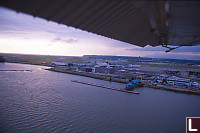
(45, 101)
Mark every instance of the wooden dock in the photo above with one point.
(105, 87)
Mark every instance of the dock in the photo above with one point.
(102, 86)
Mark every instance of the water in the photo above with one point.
(44, 101)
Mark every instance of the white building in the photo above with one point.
(179, 81)
(60, 63)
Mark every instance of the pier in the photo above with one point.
(105, 87)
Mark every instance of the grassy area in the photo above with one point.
(39, 59)
(171, 66)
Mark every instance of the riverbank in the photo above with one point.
(96, 76)
(177, 90)
(90, 75)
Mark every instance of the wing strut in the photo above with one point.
(170, 48)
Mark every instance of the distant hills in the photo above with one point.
(138, 59)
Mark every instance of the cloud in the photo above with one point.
(23, 28)
(186, 49)
(148, 48)
(188, 56)
(70, 40)
(184, 52)
(183, 49)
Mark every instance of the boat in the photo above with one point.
(138, 82)
(129, 87)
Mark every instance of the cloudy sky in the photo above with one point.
(22, 33)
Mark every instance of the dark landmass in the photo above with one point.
(41, 59)
(149, 62)
(140, 59)
(38, 59)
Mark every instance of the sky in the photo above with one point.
(25, 34)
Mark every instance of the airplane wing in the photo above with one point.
(137, 22)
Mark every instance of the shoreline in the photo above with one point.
(177, 90)
(88, 75)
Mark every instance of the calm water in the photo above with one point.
(45, 101)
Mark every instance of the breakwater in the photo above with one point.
(102, 86)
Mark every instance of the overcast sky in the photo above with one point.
(22, 33)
